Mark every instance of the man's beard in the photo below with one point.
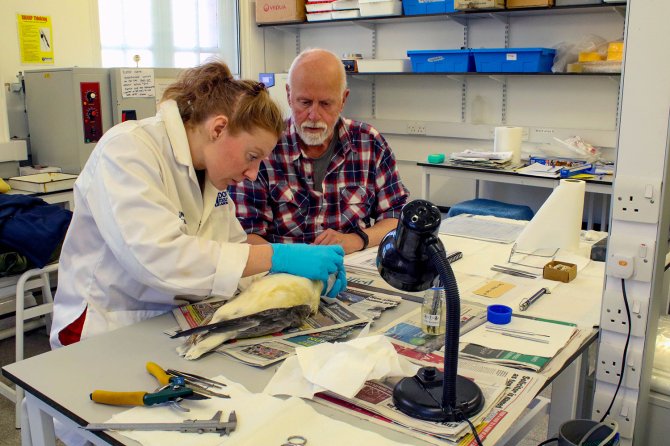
(310, 138)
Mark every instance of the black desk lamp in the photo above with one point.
(409, 258)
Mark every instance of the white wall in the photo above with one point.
(558, 102)
(76, 39)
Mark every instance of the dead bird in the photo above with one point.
(269, 305)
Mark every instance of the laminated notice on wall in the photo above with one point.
(137, 83)
(36, 41)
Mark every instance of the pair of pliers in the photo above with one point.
(173, 389)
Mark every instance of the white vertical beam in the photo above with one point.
(642, 154)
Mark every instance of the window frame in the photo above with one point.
(163, 48)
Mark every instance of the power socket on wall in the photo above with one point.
(623, 410)
(416, 128)
(630, 258)
(610, 355)
(636, 199)
(614, 316)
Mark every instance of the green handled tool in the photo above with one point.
(173, 390)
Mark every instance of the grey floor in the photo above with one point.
(37, 342)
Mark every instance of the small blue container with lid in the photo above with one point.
(499, 314)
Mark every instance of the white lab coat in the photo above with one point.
(143, 237)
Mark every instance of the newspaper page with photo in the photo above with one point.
(268, 353)
(507, 393)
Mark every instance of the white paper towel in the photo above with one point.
(558, 222)
(508, 139)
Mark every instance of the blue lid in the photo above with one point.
(417, 52)
(499, 314)
(513, 50)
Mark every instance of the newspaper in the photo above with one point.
(377, 397)
(366, 303)
(504, 357)
(507, 393)
(264, 351)
(331, 315)
(517, 359)
(407, 334)
(268, 353)
(373, 283)
(407, 331)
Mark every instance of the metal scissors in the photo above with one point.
(295, 440)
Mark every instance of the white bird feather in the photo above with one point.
(268, 296)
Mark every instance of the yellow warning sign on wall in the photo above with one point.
(35, 39)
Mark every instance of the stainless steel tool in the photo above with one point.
(216, 424)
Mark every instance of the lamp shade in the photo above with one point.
(403, 259)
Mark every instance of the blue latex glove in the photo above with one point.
(312, 262)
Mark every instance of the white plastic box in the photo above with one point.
(577, 2)
(375, 8)
(384, 65)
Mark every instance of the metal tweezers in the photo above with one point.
(514, 272)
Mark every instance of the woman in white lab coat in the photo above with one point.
(153, 225)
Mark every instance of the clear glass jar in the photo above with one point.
(434, 311)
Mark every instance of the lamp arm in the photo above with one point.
(453, 319)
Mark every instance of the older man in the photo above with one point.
(329, 180)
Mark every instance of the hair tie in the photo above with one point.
(260, 86)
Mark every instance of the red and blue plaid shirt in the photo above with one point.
(362, 184)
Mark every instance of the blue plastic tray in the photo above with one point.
(417, 7)
(514, 60)
(441, 61)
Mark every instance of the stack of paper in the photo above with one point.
(541, 170)
(473, 155)
(482, 228)
(524, 342)
(494, 160)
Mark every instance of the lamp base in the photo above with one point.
(421, 397)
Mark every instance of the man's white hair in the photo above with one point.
(308, 52)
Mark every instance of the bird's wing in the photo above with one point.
(254, 325)
(274, 315)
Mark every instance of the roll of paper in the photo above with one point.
(508, 139)
(558, 222)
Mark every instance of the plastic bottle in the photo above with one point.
(434, 311)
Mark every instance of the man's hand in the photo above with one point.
(350, 242)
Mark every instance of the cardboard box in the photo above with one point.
(511, 4)
(464, 5)
(560, 271)
(280, 11)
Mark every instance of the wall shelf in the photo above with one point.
(460, 16)
(475, 74)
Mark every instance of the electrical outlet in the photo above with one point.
(416, 128)
(636, 199)
(614, 316)
(631, 258)
(621, 266)
(623, 409)
(610, 355)
(542, 135)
